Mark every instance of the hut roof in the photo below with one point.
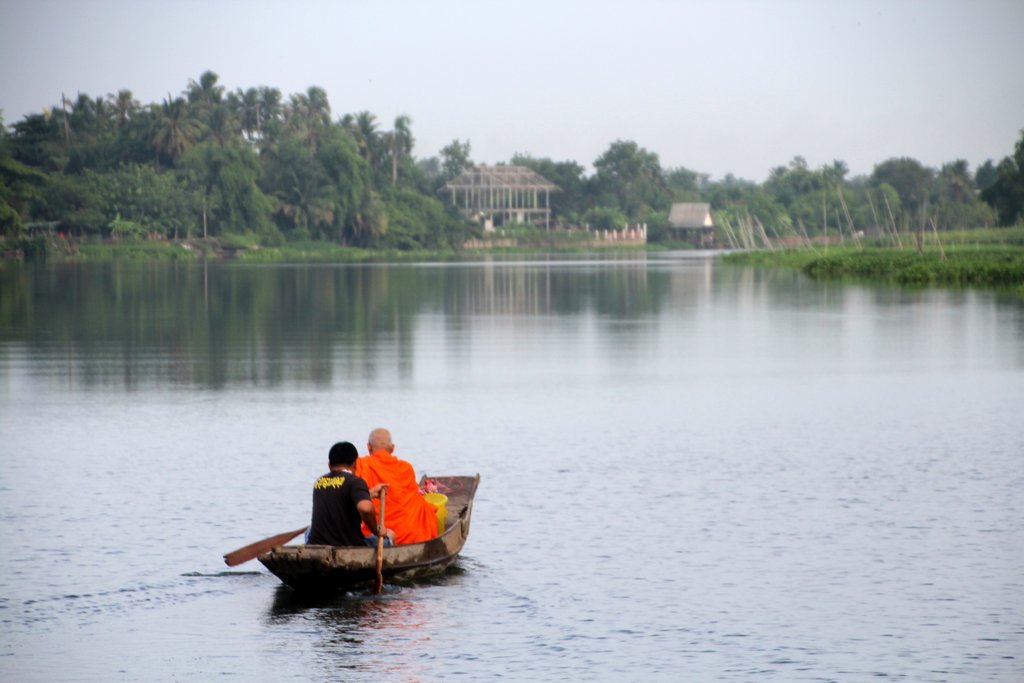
(509, 177)
(690, 215)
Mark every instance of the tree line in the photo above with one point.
(252, 163)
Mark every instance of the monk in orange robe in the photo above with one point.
(411, 517)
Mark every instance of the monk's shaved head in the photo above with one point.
(380, 438)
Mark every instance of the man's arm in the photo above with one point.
(369, 517)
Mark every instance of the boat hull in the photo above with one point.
(321, 568)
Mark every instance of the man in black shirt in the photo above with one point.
(341, 501)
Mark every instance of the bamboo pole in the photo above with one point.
(895, 230)
(874, 214)
(807, 239)
(728, 232)
(935, 231)
(753, 233)
(849, 219)
(764, 234)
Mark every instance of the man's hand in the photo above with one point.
(375, 491)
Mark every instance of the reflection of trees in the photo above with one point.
(620, 288)
(222, 324)
(211, 325)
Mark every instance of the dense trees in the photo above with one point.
(1005, 191)
(208, 162)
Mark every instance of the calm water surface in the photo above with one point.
(689, 472)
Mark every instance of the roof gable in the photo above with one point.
(505, 177)
(690, 215)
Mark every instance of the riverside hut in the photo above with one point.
(692, 222)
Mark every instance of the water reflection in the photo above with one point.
(389, 634)
(212, 326)
(830, 470)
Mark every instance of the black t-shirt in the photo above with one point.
(335, 517)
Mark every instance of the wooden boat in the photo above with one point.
(320, 568)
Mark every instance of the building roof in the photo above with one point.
(508, 177)
(690, 215)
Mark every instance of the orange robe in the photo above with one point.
(411, 517)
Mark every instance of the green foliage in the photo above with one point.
(455, 159)
(126, 229)
(134, 251)
(158, 202)
(224, 178)
(239, 242)
(629, 178)
(306, 252)
(80, 203)
(911, 180)
(985, 236)
(1006, 191)
(989, 267)
(213, 163)
(416, 221)
(20, 187)
(38, 142)
(605, 218)
(684, 184)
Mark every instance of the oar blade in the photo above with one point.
(236, 557)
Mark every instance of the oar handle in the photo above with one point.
(381, 530)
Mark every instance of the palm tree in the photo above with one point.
(319, 111)
(366, 135)
(88, 115)
(308, 114)
(400, 142)
(204, 96)
(222, 124)
(175, 129)
(246, 108)
(271, 106)
(206, 92)
(123, 105)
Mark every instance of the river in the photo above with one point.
(688, 471)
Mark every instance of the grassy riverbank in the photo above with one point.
(977, 258)
(240, 249)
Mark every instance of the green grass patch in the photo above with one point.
(328, 252)
(983, 237)
(963, 266)
(992, 264)
(130, 250)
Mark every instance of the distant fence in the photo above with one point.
(581, 237)
(630, 234)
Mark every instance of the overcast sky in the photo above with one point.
(724, 86)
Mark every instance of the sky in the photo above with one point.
(720, 87)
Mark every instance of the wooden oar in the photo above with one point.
(381, 530)
(259, 547)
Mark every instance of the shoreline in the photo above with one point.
(986, 258)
